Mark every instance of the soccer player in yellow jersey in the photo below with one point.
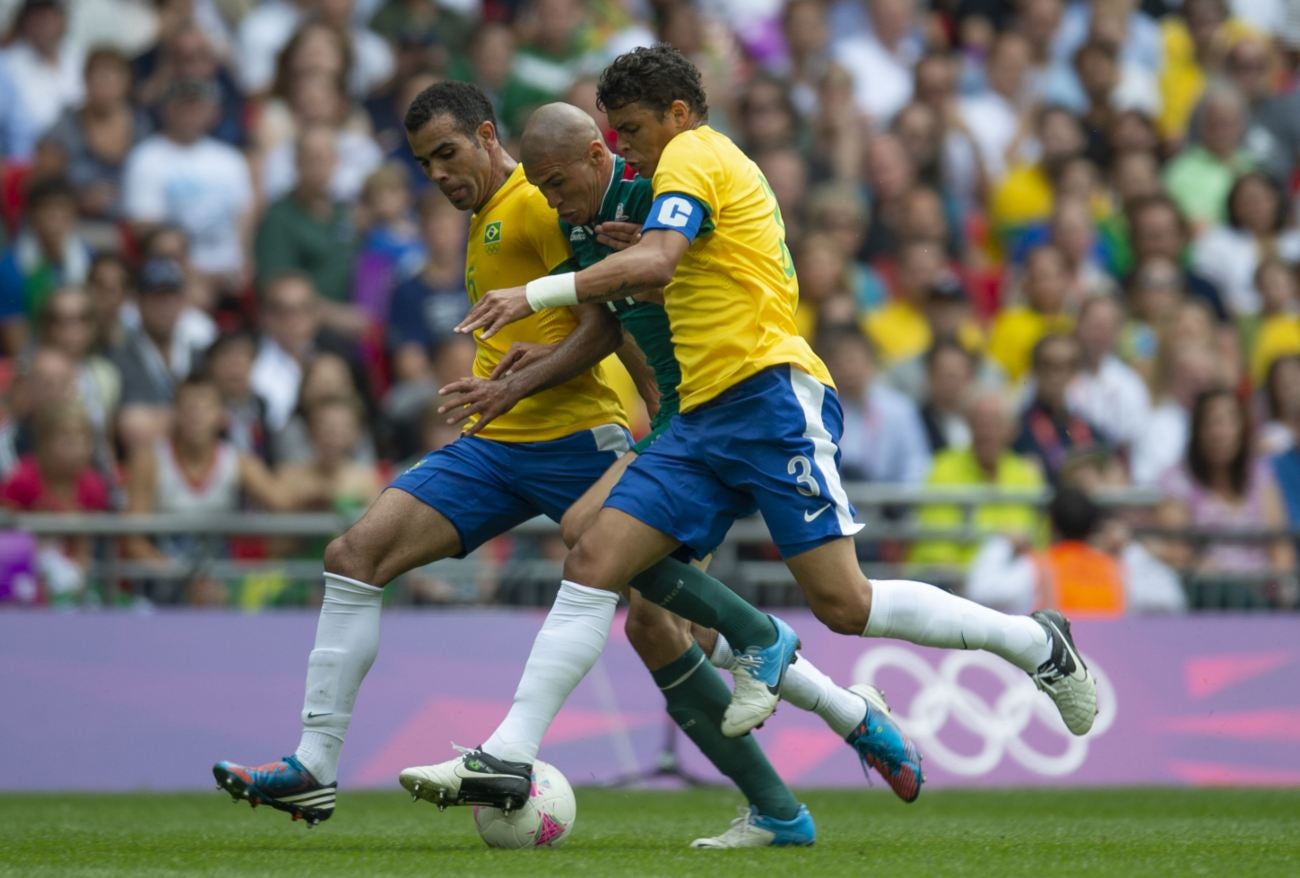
(538, 438)
(535, 440)
(758, 427)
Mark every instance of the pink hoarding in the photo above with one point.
(119, 702)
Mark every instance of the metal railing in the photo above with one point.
(529, 574)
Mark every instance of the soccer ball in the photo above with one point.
(545, 821)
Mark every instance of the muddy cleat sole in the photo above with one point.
(473, 778)
(754, 830)
(881, 744)
(284, 785)
(1064, 676)
(758, 672)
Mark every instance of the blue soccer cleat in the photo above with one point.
(881, 744)
(758, 672)
(754, 830)
(284, 785)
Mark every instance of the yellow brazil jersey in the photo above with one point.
(732, 299)
(515, 238)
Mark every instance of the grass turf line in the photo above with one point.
(997, 833)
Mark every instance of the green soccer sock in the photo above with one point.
(695, 595)
(697, 698)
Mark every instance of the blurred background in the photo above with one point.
(1049, 251)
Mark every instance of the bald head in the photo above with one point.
(558, 131)
(565, 156)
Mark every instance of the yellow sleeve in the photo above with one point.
(544, 233)
(685, 170)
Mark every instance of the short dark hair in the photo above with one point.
(945, 345)
(463, 101)
(1074, 514)
(197, 379)
(1041, 346)
(1157, 201)
(226, 341)
(48, 189)
(654, 76)
(837, 335)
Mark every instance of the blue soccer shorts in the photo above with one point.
(768, 443)
(484, 488)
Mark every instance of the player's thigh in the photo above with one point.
(454, 500)
(397, 533)
(832, 581)
(583, 512)
(671, 489)
(615, 548)
(658, 636)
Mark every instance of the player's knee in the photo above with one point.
(646, 624)
(583, 565)
(345, 558)
(843, 615)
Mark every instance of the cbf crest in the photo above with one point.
(492, 236)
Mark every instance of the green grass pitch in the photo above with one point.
(860, 833)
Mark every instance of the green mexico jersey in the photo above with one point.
(629, 201)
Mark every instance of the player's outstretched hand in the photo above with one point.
(495, 311)
(466, 397)
(521, 354)
(618, 235)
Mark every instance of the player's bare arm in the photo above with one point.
(643, 376)
(648, 265)
(596, 336)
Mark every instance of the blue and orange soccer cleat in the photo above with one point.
(881, 745)
(284, 785)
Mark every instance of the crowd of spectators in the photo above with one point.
(1040, 243)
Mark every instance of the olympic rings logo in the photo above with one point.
(998, 724)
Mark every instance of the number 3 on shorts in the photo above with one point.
(801, 468)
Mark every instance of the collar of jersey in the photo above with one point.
(615, 174)
(509, 183)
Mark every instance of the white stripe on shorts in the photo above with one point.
(811, 393)
(611, 437)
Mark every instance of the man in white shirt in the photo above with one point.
(1183, 373)
(291, 323)
(993, 115)
(43, 68)
(1106, 391)
(185, 177)
(884, 439)
(881, 61)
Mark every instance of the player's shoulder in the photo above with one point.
(702, 144)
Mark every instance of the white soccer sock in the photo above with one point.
(347, 640)
(930, 616)
(807, 688)
(722, 656)
(572, 638)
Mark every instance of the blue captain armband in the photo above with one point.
(677, 213)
